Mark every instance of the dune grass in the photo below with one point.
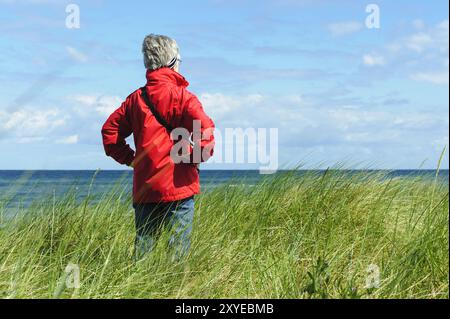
(309, 236)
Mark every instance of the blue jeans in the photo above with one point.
(150, 218)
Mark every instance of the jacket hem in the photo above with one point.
(167, 198)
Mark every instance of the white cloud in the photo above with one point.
(332, 132)
(438, 77)
(31, 124)
(72, 139)
(304, 125)
(434, 38)
(418, 42)
(294, 114)
(77, 55)
(421, 56)
(85, 99)
(344, 28)
(31, 120)
(220, 106)
(79, 120)
(107, 104)
(373, 60)
(102, 105)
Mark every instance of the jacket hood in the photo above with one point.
(165, 75)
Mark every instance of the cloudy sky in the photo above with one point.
(336, 90)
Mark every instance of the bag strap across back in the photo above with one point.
(152, 108)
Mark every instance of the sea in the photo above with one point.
(20, 188)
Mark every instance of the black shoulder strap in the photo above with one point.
(152, 108)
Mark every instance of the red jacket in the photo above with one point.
(156, 177)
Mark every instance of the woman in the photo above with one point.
(163, 187)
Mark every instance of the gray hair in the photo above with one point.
(160, 51)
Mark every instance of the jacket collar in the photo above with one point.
(165, 75)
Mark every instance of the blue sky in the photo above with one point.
(335, 89)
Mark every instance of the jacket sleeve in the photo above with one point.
(195, 118)
(114, 132)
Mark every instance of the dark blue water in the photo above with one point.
(20, 188)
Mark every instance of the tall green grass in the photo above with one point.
(309, 236)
